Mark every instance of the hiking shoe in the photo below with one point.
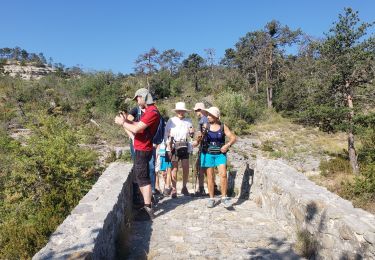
(216, 191)
(200, 193)
(158, 195)
(210, 203)
(174, 194)
(154, 199)
(227, 202)
(167, 192)
(150, 212)
(185, 191)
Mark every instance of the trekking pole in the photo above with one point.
(199, 158)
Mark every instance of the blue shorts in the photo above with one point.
(165, 163)
(213, 160)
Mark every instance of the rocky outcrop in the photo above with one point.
(338, 230)
(27, 71)
(91, 230)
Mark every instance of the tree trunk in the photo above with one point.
(148, 83)
(351, 148)
(270, 104)
(269, 90)
(256, 81)
(269, 79)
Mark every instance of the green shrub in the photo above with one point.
(306, 245)
(336, 165)
(238, 111)
(267, 146)
(45, 180)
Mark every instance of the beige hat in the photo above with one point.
(199, 106)
(142, 92)
(214, 111)
(181, 106)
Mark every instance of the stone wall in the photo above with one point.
(91, 230)
(339, 230)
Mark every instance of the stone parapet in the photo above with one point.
(339, 230)
(92, 228)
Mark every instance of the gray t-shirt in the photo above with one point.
(203, 121)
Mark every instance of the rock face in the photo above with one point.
(27, 72)
(91, 230)
(340, 230)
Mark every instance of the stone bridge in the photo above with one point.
(278, 214)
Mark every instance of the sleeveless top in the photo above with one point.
(217, 137)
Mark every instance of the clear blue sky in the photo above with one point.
(109, 35)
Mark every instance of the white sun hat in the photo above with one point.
(181, 106)
(214, 111)
(199, 106)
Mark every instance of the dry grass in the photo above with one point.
(290, 140)
(336, 183)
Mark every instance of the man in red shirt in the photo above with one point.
(143, 131)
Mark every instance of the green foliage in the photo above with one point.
(267, 146)
(327, 118)
(237, 111)
(334, 166)
(161, 84)
(306, 245)
(41, 183)
(126, 156)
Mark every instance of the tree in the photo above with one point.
(251, 55)
(210, 60)
(229, 58)
(278, 36)
(146, 63)
(193, 65)
(349, 58)
(169, 60)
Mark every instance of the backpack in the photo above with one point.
(159, 135)
(139, 114)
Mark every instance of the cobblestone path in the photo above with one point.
(186, 229)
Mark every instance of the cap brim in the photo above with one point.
(208, 112)
(186, 110)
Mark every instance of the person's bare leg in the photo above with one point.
(210, 181)
(174, 174)
(146, 193)
(202, 172)
(157, 185)
(223, 179)
(185, 171)
(168, 177)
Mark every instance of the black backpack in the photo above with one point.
(159, 135)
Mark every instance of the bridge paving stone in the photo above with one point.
(184, 228)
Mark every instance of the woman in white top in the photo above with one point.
(178, 131)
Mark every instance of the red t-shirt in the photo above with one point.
(143, 140)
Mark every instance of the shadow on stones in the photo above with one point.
(165, 206)
(136, 242)
(311, 211)
(277, 249)
(247, 183)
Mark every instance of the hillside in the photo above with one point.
(26, 71)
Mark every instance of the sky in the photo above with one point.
(109, 35)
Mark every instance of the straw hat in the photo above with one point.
(181, 106)
(213, 111)
(199, 106)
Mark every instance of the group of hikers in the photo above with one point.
(157, 148)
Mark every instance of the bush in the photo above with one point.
(336, 165)
(45, 181)
(238, 111)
